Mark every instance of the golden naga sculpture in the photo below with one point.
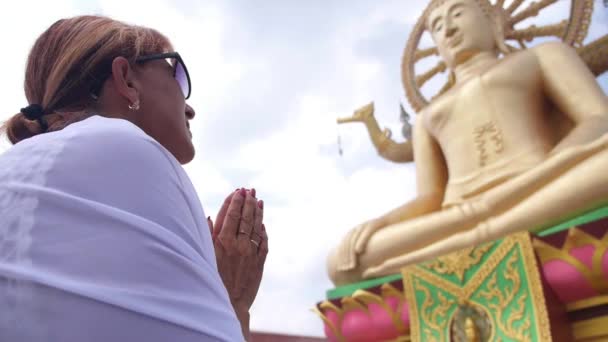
(386, 147)
(516, 139)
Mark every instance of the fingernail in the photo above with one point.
(243, 192)
(253, 192)
(261, 204)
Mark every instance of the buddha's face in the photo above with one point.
(460, 30)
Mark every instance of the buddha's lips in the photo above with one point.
(455, 41)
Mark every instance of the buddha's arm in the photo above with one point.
(431, 178)
(421, 205)
(574, 90)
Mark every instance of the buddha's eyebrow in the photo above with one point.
(452, 8)
(455, 6)
(435, 20)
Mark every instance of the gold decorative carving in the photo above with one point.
(578, 238)
(460, 262)
(587, 303)
(360, 300)
(487, 270)
(327, 305)
(387, 290)
(500, 298)
(433, 316)
(594, 329)
(351, 304)
(488, 133)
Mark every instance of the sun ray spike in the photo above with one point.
(514, 6)
(422, 79)
(531, 11)
(529, 33)
(420, 54)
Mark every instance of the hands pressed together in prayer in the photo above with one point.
(241, 246)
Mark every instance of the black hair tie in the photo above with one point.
(35, 112)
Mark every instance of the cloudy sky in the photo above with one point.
(269, 79)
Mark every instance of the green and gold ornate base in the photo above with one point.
(547, 286)
(489, 293)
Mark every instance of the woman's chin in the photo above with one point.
(188, 155)
(185, 153)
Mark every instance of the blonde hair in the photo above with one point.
(69, 61)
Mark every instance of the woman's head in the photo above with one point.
(91, 64)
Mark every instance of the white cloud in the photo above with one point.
(208, 180)
(312, 205)
(20, 26)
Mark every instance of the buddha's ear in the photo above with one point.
(498, 24)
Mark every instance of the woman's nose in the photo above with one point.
(190, 113)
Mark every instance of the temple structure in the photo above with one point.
(507, 238)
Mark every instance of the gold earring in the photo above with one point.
(134, 106)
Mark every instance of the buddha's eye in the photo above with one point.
(457, 14)
(438, 28)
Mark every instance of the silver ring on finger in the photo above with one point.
(257, 244)
(243, 232)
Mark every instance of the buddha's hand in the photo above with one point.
(363, 233)
(241, 246)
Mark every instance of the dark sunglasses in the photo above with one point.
(180, 72)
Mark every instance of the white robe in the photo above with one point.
(103, 238)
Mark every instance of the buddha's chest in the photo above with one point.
(490, 113)
(514, 85)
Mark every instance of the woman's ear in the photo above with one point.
(124, 80)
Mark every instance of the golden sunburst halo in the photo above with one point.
(513, 13)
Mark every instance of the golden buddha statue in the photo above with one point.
(471, 330)
(518, 141)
